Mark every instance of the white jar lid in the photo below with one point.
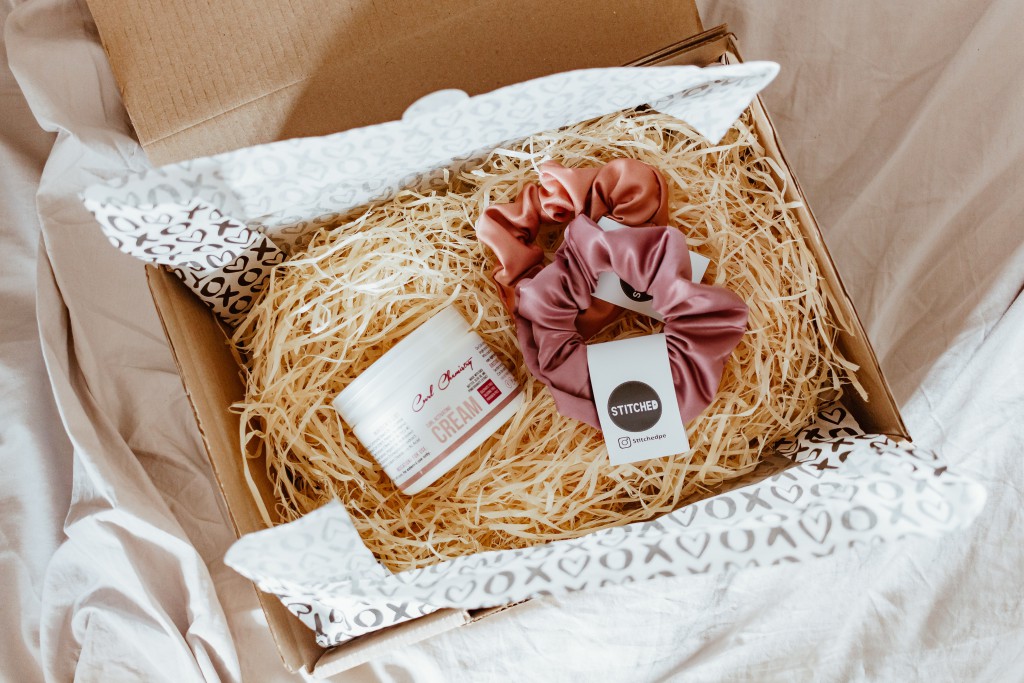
(389, 372)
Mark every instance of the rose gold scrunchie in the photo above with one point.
(630, 192)
(703, 323)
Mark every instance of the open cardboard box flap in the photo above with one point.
(200, 78)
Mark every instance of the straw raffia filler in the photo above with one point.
(356, 290)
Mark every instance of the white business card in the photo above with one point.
(636, 399)
(614, 290)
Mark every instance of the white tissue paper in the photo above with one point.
(833, 487)
(222, 222)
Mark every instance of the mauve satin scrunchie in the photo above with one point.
(628, 191)
(703, 323)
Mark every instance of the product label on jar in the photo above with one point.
(614, 290)
(636, 399)
(445, 406)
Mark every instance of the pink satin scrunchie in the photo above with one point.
(703, 323)
(630, 192)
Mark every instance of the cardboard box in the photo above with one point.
(271, 70)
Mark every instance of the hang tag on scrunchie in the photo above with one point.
(614, 290)
(636, 399)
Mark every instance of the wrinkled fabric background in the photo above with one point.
(902, 121)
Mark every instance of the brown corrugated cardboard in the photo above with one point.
(201, 76)
(207, 102)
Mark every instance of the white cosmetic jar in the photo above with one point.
(429, 401)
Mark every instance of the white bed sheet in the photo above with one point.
(902, 121)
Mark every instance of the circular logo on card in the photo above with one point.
(632, 293)
(634, 406)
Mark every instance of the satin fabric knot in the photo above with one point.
(703, 323)
(628, 191)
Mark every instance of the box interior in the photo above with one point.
(278, 74)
